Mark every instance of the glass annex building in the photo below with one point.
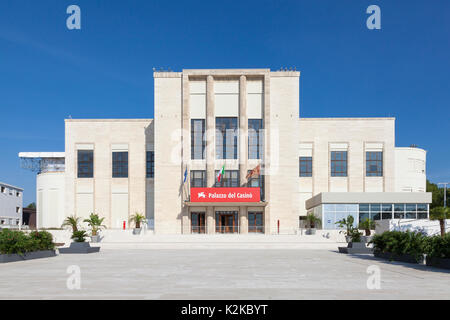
(227, 152)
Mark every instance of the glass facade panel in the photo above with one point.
(399, 211)
(422, 211)
(386, 211)
(198, 139)
(374, 164)
(411, 211)
(226, 138)
(255, 138)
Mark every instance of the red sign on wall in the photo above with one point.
(225, 194)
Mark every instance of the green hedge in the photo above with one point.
(412, 243)
(18, 242)
(437, 247)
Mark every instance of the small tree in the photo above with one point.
(347, 223)
(138, 218)
(95, 222)
(72, 222)
(311, 220)
(440, 213)
(367, 225)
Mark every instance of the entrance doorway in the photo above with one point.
(255, 222)
(227, 222)
(198, 222)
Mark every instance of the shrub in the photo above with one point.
(43, 240)
(79, 236)
(18, 242)
(437, 246)
(355, 235)
(400, 243)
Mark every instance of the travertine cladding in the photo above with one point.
(96, 194)
(357, 134)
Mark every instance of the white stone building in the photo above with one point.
(240, 121)
(11, 204)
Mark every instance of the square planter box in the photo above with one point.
(27, 256)
(79, 247)
(394, 257)
(356, 248)
(438, 263)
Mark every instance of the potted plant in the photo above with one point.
(79, 244)
(348, 224)
(138, 219)
(95, 223)
(367, 225)
(311, 221)
(71, 221)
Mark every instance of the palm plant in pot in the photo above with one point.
(138, 220)
(367, 225)
(348, 224)
(72, 222)
(311, 221)
(95, 223)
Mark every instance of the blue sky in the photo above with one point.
(104, 70)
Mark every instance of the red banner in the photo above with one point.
(225, 194)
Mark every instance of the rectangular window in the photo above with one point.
(255, 182)
(374, 164)
(364, 212)
(386, 211)
(120, 164)
(338, 163)
(3, 189)
(399, 211)
(226, 138)
(229, 180)
(255, 138)
(411, 211)
(422, 211)
(375, 211)
(85, 163)
(150, 164)
(305, 165)
(198, 139)
(17, 209)
(198, 178)
(256, 222)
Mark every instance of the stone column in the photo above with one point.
(210, 224)
(243, 219)
(210, 132)
(186, 155)
(243, 131)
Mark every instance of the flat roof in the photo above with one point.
(368, 197)
(10, 186)
(41, 154)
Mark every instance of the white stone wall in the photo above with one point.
(410, 170)
(356, 136)
(50, 187)
(115, 199)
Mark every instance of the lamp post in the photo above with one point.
(445, 192)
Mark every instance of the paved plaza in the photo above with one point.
(145, 271)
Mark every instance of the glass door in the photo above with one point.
(198, 222)
(255, 222)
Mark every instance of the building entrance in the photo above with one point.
(227, 222)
